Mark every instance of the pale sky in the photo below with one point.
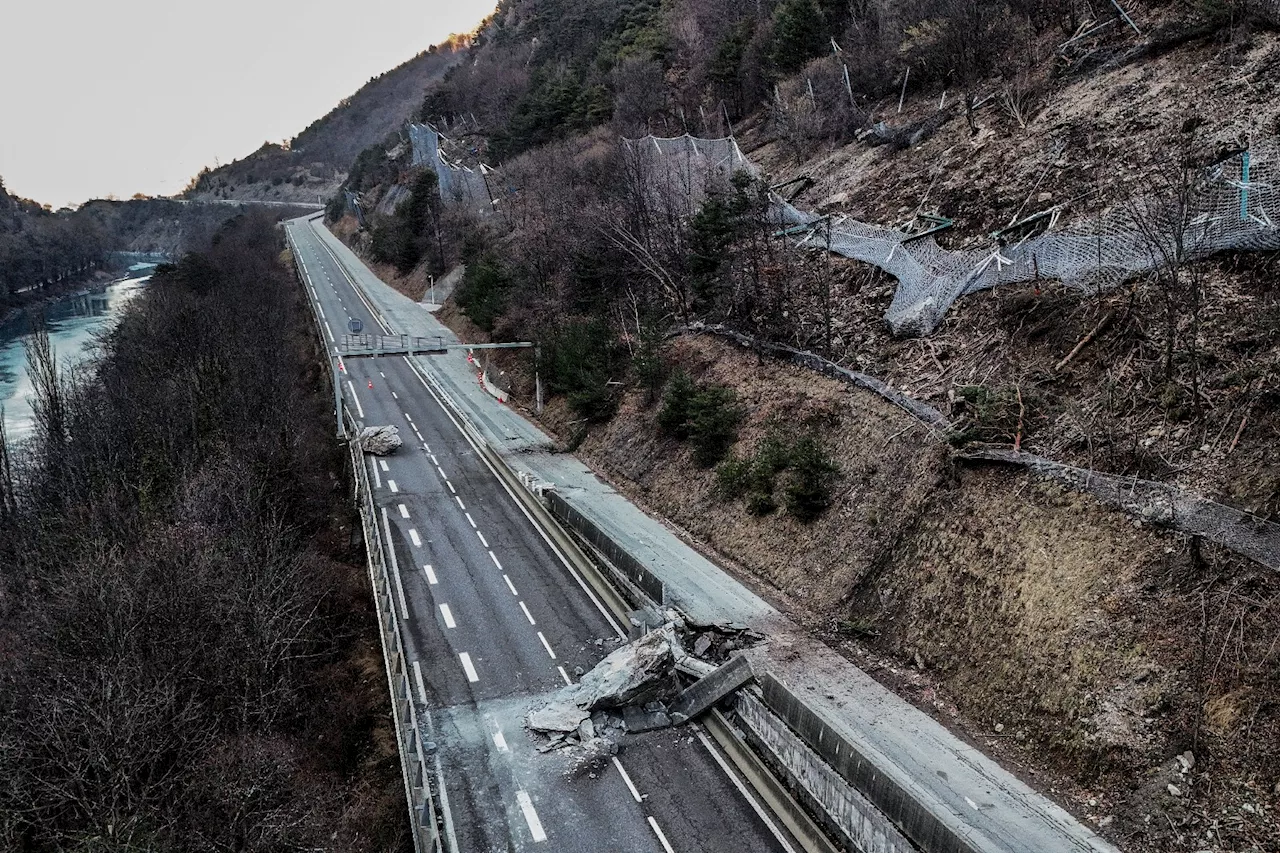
(126, 96)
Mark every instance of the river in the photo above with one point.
(75, 324)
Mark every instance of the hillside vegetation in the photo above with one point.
(186, 660)
(317, 160)
(1130, 670)
(39, 247)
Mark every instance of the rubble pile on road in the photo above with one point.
(634, 682)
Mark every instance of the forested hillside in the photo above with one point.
(39, 246)
(1130, 669)
(186, 660)
(319, 157)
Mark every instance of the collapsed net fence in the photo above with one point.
(1232, 205)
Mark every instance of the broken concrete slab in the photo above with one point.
(710, 689)
(637, 720)
(557, 717)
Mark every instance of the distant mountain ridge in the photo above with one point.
(315, 163)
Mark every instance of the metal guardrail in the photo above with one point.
(421, 780)
(430, 834)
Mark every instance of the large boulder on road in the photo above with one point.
(380, 440)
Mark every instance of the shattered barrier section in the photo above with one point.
(649, 583)
(917, 821)
(846, 811)
(1159, 503)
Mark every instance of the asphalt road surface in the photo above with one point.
(493, 619)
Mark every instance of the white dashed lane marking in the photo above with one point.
(468, 667)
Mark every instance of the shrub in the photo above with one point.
(714, 415)
(580, 357)
(708, 416)
(812, 481)
(482, 293)
(809, 487)
(673, 417)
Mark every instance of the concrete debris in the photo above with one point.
(558, 717)
(711, 689)
(636, 720)
(637, 673)
(380, 440)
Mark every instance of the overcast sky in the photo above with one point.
(126, 96)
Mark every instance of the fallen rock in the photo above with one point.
(380, 440)
(634, 674)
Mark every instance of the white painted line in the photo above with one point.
(494, 557)
(404, 511)
(377, 477)
(434, 460)
(527, 614)
(449, 483)
(329, 330)
(382, 463)
(383, 375)
(510, 585)
(460, 503)
(531, 817)
(441, 472)
(501, 742)
(662, 839)
(391, 484)
(468, 667)
(747, 795)
(546, 645)
(471, 520)
(564, 675)
(427, 446)
(483, 541)
(395, 396)
(431, 574)
(631, 786)
(417, 540)
(395, 567)
(355, 398)
(417, 677)
(408, 417)
(448, 616)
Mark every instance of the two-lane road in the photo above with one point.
(493, 619)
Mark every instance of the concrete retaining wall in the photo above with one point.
(906, 811)
(846, 813)
(633, 569)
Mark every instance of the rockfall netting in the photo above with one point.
(458, 183)
(1231, 205)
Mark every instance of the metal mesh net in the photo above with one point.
(458, 183)
(1232, 205)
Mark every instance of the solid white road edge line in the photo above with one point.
(395, 567)
(377, 477)
(444, 793)
(355, 398)
(590, 593)
(747, 794)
